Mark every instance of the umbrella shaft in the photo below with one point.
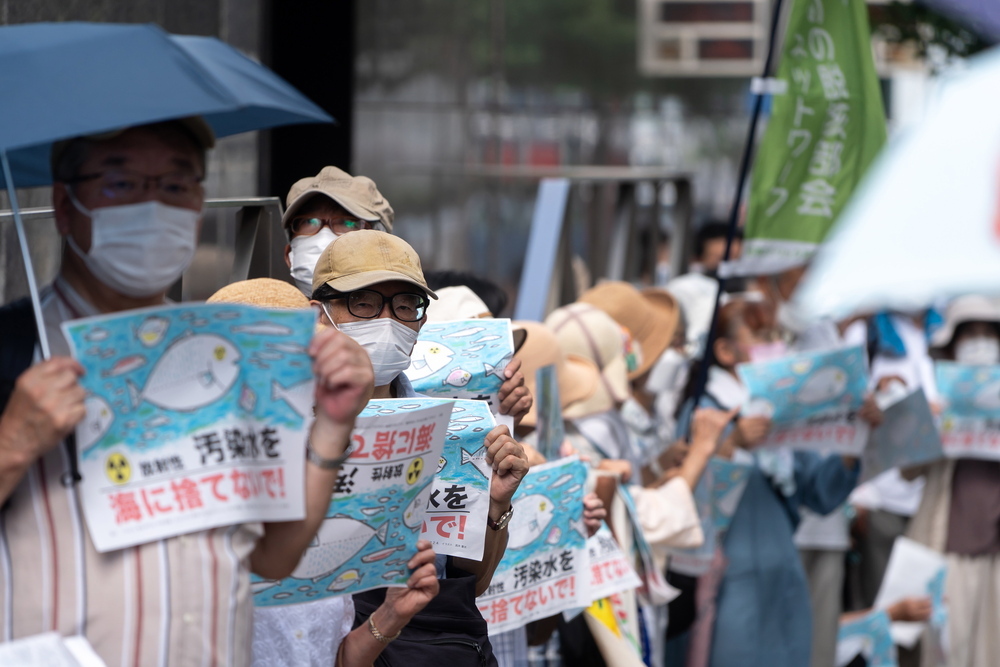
(22, 237)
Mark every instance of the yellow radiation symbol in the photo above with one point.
(220, 352)
(413, 472)
(118, 469)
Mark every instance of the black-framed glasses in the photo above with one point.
(307, 225)
(368, 304)
(124, 185)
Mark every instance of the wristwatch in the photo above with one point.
(325, 463)
(502, 522)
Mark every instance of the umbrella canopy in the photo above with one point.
(67, 79)
(925, 223)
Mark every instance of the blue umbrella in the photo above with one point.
(68, 79)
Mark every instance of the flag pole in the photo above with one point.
(708, 355)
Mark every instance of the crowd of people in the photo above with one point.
(807, 546)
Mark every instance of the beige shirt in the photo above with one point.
(180, 601)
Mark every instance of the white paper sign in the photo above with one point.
(912, 569)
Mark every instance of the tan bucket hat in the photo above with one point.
(263, 292)
(367, 257)
(589, 332)
(356, 194)
(650, 319)
(578, 377)
(457, 303)
(971, 308)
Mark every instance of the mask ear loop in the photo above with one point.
(329, 317)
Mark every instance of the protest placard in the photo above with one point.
(453, 510)
(610, 569)
(907, 436)
(366, 539)
(869, 637)
(196, 417)
(463, 359)
(544, 570)
(914, 570)
(970, 419)
(729, 481)
(812, 398)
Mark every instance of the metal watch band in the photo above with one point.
(324, 463)
(379, 637)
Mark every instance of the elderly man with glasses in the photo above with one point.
(128, 205)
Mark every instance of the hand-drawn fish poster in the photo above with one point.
(196, 417)
(970, 420)
(907, 436)
(453, 509)
(869, 637)
(366, 539)
(729, 481)
(610, 570)
(544, 570)
(812, 399)
(462, 359)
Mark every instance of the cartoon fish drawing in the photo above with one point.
(394, 508)
(125, 365)
(152, 330)
(427, 358)
(532, 515)
(158, 420)
(824, 385)
(299, 396)
(263, 585)
(270, 355)
(554, 534)
(95, 424)
(194, 371)
(478, 459)
(131, 423)
(486, 339)
(291, 348)
(468, 419)
(199, 322)
(227, 315)
(248, 398)
(393, 574)
(149, 435)
(372, 511)
(338, 540)
(458, 378)
(573, 489)
(262, 329)
(94, 351)
(561, 480)
(188, 315)
(496, 371)
(474, 348)
(381, 554)
(457, 427)
(108, 353)
(988, 398)
(396, 561)
(345, 580)
(579, 526)
(97, 335)
(282, 596)
(464, 333)
(442, 462)
(413, 515)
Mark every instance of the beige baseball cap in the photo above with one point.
(356, 194)
(368, 257)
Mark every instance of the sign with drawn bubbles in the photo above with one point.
(195, 418)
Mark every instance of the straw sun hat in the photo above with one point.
(262, 292)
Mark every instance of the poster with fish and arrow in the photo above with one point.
(370, 531)
(452, 511)
(545, 568)
(812, 398)
(970, 416)
(196, 417)
(463, 359)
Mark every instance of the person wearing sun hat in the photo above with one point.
(323, 207)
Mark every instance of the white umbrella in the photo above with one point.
(925, 222)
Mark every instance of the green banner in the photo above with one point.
(825, 129)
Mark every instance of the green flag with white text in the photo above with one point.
(825, 129)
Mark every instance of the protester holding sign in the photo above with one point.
(958, 512)
(128, 203)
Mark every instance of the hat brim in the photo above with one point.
(520, 337)
(357, 281)
(664, 315)
(351, 207)
(578, 380)
(944, 336)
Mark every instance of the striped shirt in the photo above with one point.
(180, 601)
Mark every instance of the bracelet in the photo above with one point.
(379, 637)
(325, 463)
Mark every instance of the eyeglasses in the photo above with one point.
(124, 186)
(368, 304)
(307, 226)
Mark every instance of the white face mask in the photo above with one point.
(388, 344)
(978, 351)
(138, 249)
(304, 255)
